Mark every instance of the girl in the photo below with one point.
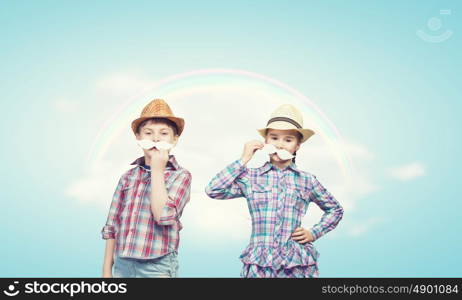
(278, 195)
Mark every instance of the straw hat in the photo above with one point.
(158, 108)
(287, 117)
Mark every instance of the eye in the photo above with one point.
(147, 132)
(274, 138)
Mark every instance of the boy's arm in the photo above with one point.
(108, 231)
(108, 258)
(167, 205)
(333, 211)
(113, 219)
(159, 194)
(224, 185)
(179, 194)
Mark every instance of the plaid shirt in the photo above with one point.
(277, 200)
(130, 221)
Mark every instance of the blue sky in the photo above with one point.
(394, 97)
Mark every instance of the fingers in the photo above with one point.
(301, 235)
(255, 144)
(249, 150)
(302, 239)
(155, 151)
(298, 233)
(299, 238)
(163, 151)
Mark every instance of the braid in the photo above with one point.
(300, 137)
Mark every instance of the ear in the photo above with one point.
(298, 147)
(137, 135)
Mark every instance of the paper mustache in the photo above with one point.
(283, 154)
(261, 157)
(148, 144)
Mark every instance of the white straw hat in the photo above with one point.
(287, 117)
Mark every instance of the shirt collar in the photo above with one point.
(171, 164)
(268, 166)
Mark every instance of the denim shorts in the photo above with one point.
(162, 267)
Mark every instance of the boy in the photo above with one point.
(142, 228)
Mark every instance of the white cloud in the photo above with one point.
(97, 185)
(408, 172)
(317, 157)
(217, 220)
(356, 229)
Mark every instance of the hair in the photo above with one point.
(299, 139)
(165, 121)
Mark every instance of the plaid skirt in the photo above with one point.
(256, 271)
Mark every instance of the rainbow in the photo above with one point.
(188, 83)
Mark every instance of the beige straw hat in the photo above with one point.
(158, 108)
(287, 117)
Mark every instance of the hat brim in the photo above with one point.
(306, 133)
(178, 121)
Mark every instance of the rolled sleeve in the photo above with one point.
(108, 232)
(178, 196)
(113, 219)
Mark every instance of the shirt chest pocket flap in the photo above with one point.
(297, 198)
(262, 193)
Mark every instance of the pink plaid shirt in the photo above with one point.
(130, 221)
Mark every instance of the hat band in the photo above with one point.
(284, 119)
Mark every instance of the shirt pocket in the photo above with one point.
(296, 199)
(262, 194)
(133, 194)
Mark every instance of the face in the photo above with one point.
(283, 139)
(157, 132)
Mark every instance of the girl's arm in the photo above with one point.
(225, 185)
(108, 258)
(333, 211)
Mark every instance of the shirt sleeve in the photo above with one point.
(225, 184)
(113, 219)
(179, 194)
(333, 211)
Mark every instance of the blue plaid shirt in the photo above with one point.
(277, 201)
